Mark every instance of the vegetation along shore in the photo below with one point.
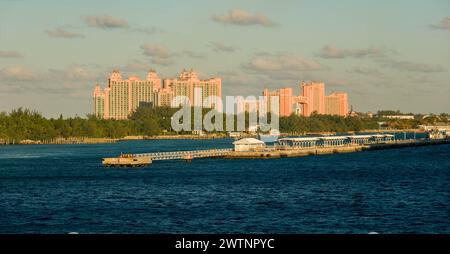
(24, 126)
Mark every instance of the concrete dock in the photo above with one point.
(299, 152)
(271, 152)
(144, 159)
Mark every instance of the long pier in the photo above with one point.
(185, 155)
(143, 159)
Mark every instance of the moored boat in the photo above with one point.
(272, 137)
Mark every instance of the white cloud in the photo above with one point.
(156, 51)
(18, 73)
(134, 66)
(365, 71)
(219, 47)
(61, 33)
(74, 73)
(147, 30)
(281, 62)
(106, 22)
(161, 55)
(192, 54)
(163, 61)
(331, 51)
(445, 24)
(411, 66)
(243, 18)
(10, 54)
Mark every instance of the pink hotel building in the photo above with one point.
(312, 99)
(122, 96)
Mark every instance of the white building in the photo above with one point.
(248, 144)
(402, 117)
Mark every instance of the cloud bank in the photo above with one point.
(332, 52)
(411, 66)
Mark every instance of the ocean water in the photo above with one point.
(64, 188)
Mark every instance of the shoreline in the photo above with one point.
(87, 140)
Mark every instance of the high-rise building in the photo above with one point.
(336, 104)
(186, 83)
(163, 98)
(123, 96)
(99, 101)
(247, 105)
(285, 97)
(311, 99)
(314, 93)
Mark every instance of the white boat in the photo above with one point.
(437, 134)
(272, 137)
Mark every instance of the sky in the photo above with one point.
(385, 54)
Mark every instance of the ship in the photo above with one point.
(438, 134)
(272, 137)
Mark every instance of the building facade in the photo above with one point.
(285, 100)
(247, 105)
(314, 95)
(311, 99)
(121, 97)
(188, 81)
(336, 104)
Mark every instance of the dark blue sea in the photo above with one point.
(64, 188)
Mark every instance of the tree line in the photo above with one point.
(22, 124)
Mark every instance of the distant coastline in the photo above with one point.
(89, 140)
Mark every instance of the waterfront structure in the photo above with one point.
(335, 141)
(311, 100)
(402, 117)
(123, 96)
(286, 147)
(248, 144)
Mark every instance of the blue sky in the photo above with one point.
(385, 54)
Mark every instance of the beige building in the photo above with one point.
(311, 99)
(123, 96)
(336, 104)
(314, 94)
(248, 144)
(186, 83)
